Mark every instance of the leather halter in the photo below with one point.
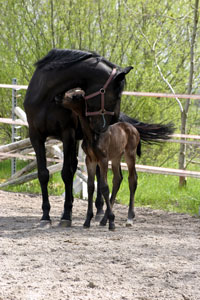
(101, 92)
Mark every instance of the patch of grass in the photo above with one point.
(55, 186)
(162, 192)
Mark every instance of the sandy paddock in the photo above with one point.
(158, 258)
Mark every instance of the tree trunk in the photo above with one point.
(182, 151)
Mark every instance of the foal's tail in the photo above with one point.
(149, 133)
(139, 152)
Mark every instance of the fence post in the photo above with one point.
(14, 104)
(79, 185)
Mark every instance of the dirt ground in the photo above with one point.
(158, 258)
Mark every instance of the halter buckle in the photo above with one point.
(102, 91)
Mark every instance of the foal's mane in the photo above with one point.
(62, 58)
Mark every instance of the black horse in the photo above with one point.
(58, 71)
(103, 83)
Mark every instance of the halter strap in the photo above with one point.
(101, 92)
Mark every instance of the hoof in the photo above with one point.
(65, 223)
(86, 227)
(99, 216)
(103, 222)
(111, 226)
(86, 224)
(45, 224)
(129, 223)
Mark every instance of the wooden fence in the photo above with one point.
(23, 149)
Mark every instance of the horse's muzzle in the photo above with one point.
(59, 98)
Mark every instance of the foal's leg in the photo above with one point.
(130, 160)
(117, 179)
(91, 169)
(99, 200)
(68, 171)
(105, 191)
(38, 144)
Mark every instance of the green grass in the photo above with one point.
(162, 192)
(156, 191)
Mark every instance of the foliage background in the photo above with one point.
(144, 34)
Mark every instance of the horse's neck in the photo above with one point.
(87, 132)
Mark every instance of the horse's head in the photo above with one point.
(98, 99)
(102, 99)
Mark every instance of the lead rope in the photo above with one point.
(104, 120)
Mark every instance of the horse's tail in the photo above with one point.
(149, 133)
(139, 152)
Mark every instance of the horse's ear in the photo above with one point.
(127, 69)
(122, 73)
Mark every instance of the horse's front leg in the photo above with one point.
(68, 171)
(99, 200)
(91, 169)
(117, 179)
(105, 191)
(43, 176)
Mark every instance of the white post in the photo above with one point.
(79, 185)
(14, 104)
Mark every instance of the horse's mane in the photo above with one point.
(62, 58)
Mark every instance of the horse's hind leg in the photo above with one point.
(117, 179)
(105, 191)
(132, 187)
(99, 200)
(43, 176)
(68, 171)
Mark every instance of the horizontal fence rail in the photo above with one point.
(162, 95)
(139, 168)
(14, 86)
(128, 93)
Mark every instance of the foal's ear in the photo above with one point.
(122, 73)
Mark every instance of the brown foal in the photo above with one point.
(120, 138)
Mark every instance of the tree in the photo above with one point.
(184, 113)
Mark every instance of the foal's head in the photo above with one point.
(73, 100)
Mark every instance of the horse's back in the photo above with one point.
(124, 129)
